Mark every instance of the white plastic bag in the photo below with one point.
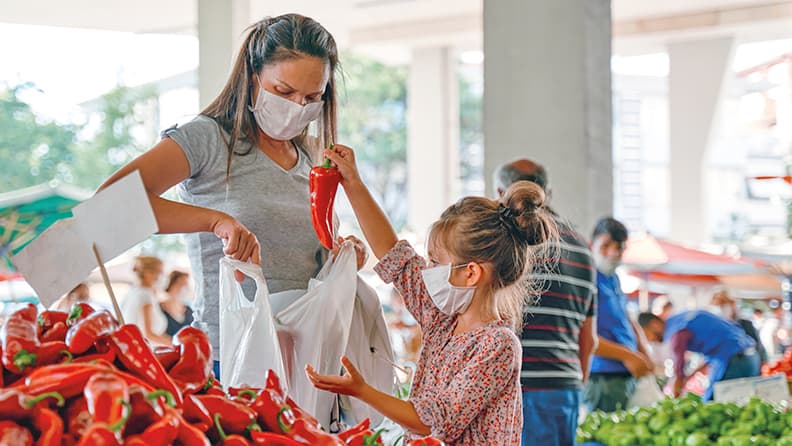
(314, 329)
(647, 392)
(248, 339)
(369, 349)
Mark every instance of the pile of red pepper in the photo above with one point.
(783, 365)
(82, 379)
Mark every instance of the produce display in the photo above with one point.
(82, 379)
(690, 422)
(783, 365)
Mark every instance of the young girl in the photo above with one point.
(468, 300)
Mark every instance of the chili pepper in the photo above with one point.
(161, 433)
(136, 355)
(354, 430)
(272, 411)
(237, 417)
(106, 357)
(56, 333)
(20, 340)
(272, 439)
(76, 416)
(426, 441)
(366, 438)
(14, 434)
(81, 336)
(190, 435)
(99, 435)
(304, 432)
(49, 425)
(248, 392)
(195, 364)
(167, 356)
(228, 440)
(144, 411)
(79, 311)
(68, 379)
(323, 184)
(195, 411)
(17, 405)
(52, 352)
(106, 394)
(48, 318)
(272, 381)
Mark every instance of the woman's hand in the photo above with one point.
(360, 249)
(344, 159)
(238, 242)
(351, 383)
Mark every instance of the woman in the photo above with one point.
(176, 312)
(140, 306)
(242, 165)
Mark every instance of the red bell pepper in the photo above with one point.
(228, 440)
(107, 396)
(56, 333)
(99, 435)
(134, 353)
(323, 184)
(167, 356)
(82, 335)
(17, 405)
(304, 432)
(426, 441)
(49, 425)
(14, 434)
(52, 352)
(236, 417)
(20, 340)
(272, 439)
(78, 312)
(195, 365)
(354, 430)
(68, 379)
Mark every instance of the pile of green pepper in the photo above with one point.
(689, 421)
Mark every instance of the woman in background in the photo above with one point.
(173, 307)
(141, 305)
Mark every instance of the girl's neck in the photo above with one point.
(482, 311)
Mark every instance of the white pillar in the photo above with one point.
(547, 96)
(432, 136)
(696, 78)
(220, 28)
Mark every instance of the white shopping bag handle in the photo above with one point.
(247, 268)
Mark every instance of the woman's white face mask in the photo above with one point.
(448, 298)
(281, 118)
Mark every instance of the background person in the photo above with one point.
(173, 306)
(141, 304)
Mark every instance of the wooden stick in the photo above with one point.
(106, 280)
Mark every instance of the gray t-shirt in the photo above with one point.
(271, 202)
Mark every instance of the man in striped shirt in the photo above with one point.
(559, 329)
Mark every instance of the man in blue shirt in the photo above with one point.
(621, 355)
(728, 350)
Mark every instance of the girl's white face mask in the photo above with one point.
(448, 298)
(281, 118)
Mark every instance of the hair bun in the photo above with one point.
(526, 200)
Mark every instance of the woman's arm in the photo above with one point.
(148, 324)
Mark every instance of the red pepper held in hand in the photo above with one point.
(82, 335)
(49, 425)
(20, 340)
(195, 365)
(135, 354)
(14, 434)
(323, 184)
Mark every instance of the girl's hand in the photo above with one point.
(360, 249)
(344, 159)
(351, 383)
(238, 242)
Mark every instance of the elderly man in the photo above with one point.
(558, 334)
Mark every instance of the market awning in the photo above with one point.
(26, 213)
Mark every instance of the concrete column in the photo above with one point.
(432, 136)
(220, 28)
(696, 78)
(547, 96)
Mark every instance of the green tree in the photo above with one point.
(32, 150)
(372, 120)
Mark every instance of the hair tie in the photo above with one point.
(505, 212)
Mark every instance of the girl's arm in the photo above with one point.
(375, 225)
(401, 412)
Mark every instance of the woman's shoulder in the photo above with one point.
(199, 124)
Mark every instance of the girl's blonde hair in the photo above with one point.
(146, 263)
(499, 233)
